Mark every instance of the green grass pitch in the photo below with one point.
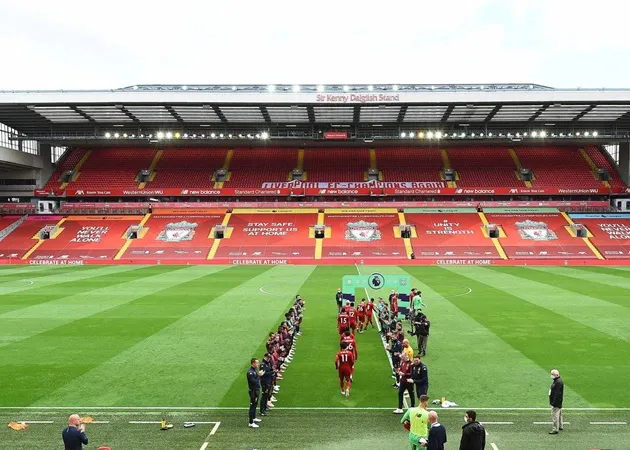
(132, 343)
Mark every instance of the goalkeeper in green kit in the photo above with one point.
(416, 420)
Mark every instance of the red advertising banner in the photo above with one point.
(336, 135)
(358, 191)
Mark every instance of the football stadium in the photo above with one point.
(365, 244)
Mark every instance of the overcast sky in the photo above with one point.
(91, 44)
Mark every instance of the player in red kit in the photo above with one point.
(344, 363)
(343, 321)
(351, 344)
(393, 304)
(352, 313)
(369, 311)
(361, 315)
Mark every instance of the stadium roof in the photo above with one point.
(306, 111)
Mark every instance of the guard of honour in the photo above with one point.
(424, 429)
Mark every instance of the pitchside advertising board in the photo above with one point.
(285, 189)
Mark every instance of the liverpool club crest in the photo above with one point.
(177, 232)
(537, 231)
(363, 231)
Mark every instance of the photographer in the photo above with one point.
(421, 327)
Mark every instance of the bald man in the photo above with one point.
(74, 437)
(556, 395)
(437, 434)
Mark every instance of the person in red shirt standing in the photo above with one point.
(343, 321)
(344, 363)
(393, 304)
(369, 310)
(352, 314)
(361, 315)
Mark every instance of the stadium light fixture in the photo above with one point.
(257, 135)
(370, 88)
(233, 88)
(160, 135)
(221, 135)
(203, 136)
(177, 135)
(249, 136)
(320, 88)
(595, 133)
(213, 135)
(561, 134)
(525, 134)
(150, 136)
(141, 136)
(195, 136)
(296, 88)
(230, 135)
(125, 135)
(472, 134)
(543, 134)
(135, 88)
(480, 134)
(463, 135)
(271, 88)
(116, 135)
(438, 134)
(490, 134)
(577, 134)
(412, 135)
(395, 87)
(586, 134)
(534, 134)
(169, 135)
(403, 134)
(185, 135)
(430, 134)
(133, 136)
(264, 135)
(346, 88)
(420, 134)
(108, 135)
(240, 135)
(185, 88)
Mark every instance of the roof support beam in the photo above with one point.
(356, 115)
(78, 111)
(492, 113)
(401, 113)
(127, 113)
(583, 113)
(447, 113)
(311, 114)
(219, 113)
(265, 113)
(173, 113)
(539, 112)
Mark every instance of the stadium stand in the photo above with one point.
(113, 168)
(336, 164)
(24, 237)
(597, 155)
(268, 235)
(484, 166)
(255, 166)
(175, 235)
(409, 163)
(557, 167)
(610, 233)
(187, 167)
(68, 162)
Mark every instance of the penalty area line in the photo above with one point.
(212, 433)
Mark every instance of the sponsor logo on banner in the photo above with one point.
(177, 232)
(362, 231)
(354, 184)
(536, 231)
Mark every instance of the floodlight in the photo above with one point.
(230, 135)
(420, 134)
(296, 88)
(320, 88)
(430, 134)
(108, 135)
(489, 134)
(412, 135)
(221, 135)
(240, 135)
(346, 88)
(141, 136)
(195, 136)
(169, 135)
(586, 133)
(264, 135)
(534, 134)
(395, 87)
(233, 88)
(185, 88)
(438, 134)
(213, 135)
(116, 135)
(160, 135)
(595, 133)
(370, 88)
(480, 134)
(403, 134)
(177, 135)
(463, 135)
(185, 135)
(561, 134)
(543, 134)
(257, 135)
(124, 135)
(525, 134)
(472, 134)
(203, 136)
(249, 135)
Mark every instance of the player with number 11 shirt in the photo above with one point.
(344, 363)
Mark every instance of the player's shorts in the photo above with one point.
(361, 318)
(353, 324)
(343, 329)
(345, 372)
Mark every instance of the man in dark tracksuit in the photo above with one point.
(473, 433)
(421, 330)
(395, 348)
(339, 300)
(420, 375)
(266, 381)
(556, 395)
(253, 383)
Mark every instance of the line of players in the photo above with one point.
(348, 321)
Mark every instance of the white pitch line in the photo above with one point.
(494, 446)
(99, 422)
(550, 423)
(497, 423)
(144, 422)
(608, 423)
(212, 432)
(35, 421)
(161, 409)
